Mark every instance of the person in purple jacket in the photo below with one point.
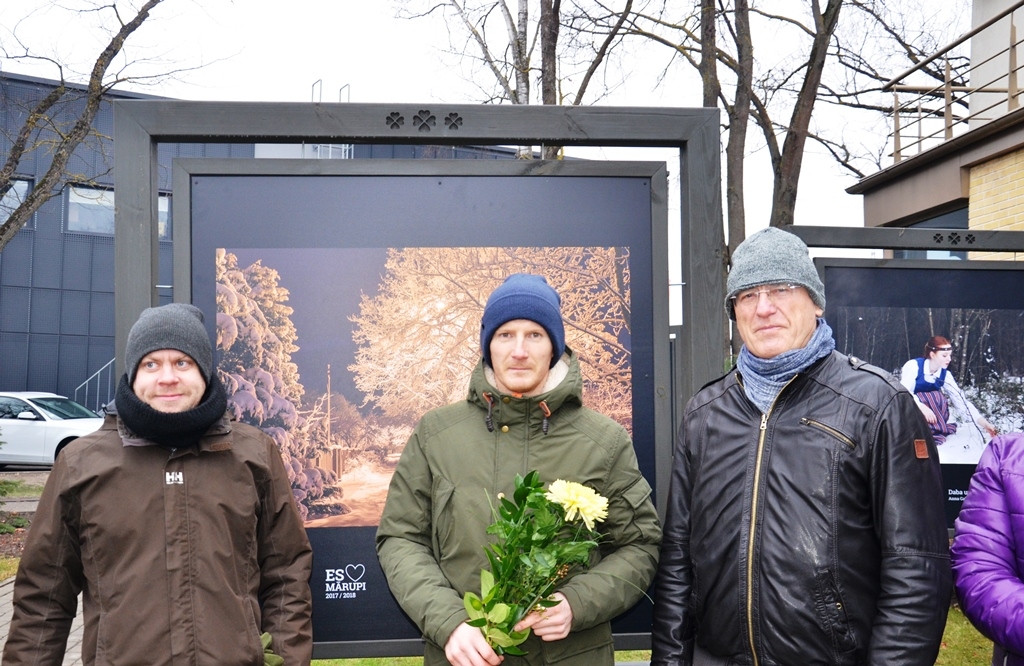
(988, 549)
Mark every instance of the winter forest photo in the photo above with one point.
(987, 360)
(336, 353)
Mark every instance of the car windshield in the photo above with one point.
(62, 408)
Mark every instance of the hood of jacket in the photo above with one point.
(564, 385)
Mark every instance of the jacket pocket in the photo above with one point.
(831, 611)
(636, 496)
(832, 431)
(441, 492)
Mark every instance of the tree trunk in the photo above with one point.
(522, 67)
(739, 116)
(787, 175)
(549, 25)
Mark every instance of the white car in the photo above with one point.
(34, 427)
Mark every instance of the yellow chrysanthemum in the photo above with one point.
(578, 499)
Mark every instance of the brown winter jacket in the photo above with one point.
(182, 557)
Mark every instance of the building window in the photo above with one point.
(163, 211)
(91, 211)
(12, 198)
(332, 151)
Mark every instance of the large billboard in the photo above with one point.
(347, 306)
(885, 311)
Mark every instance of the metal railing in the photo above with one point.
(98, 389)
(934, 114)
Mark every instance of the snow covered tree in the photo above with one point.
(419, 336)
(256, 338)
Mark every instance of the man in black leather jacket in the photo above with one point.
(805, 520)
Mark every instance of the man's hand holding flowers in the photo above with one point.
(550, 624)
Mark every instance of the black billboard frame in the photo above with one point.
(141, 125)
(188, 171)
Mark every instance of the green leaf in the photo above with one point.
(498, 614)
(515, 651)
(474, 607)
(499, 638)
(478, 622)
(486, 582)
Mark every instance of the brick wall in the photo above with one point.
(997, 199)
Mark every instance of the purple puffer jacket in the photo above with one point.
(988, 550)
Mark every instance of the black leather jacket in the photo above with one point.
(814, 534)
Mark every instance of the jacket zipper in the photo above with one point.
(750, 537)
(753, 524)
(842, 437)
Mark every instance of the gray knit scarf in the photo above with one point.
(763, 378)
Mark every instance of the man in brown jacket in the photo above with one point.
(178, 528)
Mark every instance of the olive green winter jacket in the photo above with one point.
(432, 533)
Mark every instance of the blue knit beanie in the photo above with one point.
(524, 296)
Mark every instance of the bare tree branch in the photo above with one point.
(51, 182)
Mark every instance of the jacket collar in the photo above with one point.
(214, 439)
(563, 385)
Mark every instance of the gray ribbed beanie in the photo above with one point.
(172, 326)
(772, 256)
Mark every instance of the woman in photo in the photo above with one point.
(934, 389)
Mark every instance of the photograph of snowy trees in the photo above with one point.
(336, 353)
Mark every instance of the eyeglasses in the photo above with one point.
(777, 295)
(949, 349)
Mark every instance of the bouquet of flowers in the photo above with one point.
(541, 537)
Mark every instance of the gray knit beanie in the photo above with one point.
(172, 326)
(772, 256)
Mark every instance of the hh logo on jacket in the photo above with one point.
(175, 477)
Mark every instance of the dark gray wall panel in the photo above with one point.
(102, 261)
(16, 267)
(49, 219)
(101, 350)
(101, 315)
(13, 361)
(45, 311)
(74, 312)
(43, 351)
(46, 262)
(14, 309)
(72, 363)
(77, 261)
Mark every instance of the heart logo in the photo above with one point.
(354, 572)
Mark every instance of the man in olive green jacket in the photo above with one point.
(523, 412)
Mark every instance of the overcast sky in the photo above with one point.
(357, 50)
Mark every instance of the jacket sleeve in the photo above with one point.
(406, 552)
(673, 631)
(909, 518)
(990, 589)
(49, 577)
(286, 561)
(629, 546)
